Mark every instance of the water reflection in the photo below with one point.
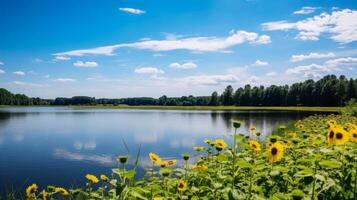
(58, 146)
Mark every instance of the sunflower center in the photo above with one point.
(254, 146)
(339, 136)
(331, 134)
(181, 185)
(274, 151)
(355, 135)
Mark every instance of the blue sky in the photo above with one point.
(150, 48)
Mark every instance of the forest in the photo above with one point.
(328, 91)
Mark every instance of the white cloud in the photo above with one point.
(2, 71)
(271, 74)
(132, 11)
(301, 57)
(316, 70)
(26, 84)
(106, 160)
(61, 58)
(187, 65)
(64, 80)
(46, 76)
(195, 44)
(19, 73)
(340, 26)
(209, 79)
(87, 64)
(1, 63)
(149, 70)
(305, 10)
(260, 63)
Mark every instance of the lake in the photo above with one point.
(59, 145)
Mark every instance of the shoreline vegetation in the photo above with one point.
(313, 159)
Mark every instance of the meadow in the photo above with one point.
(315, 158)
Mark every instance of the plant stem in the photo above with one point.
(314, 183)
(234, 158)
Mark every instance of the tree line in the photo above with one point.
(328, 91)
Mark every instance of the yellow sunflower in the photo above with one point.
(209, 142)
(92, 178)
(353, 134)
(181, 185)
(292, 134)
(158, 198)
(104, 178)
(171, 162)
(254, 145)
(44, 195)
(199, 148)
(163, 164)
(155, 158)
(331, 136)
(253, 128)
(220, 144)
(276, 152)
(341, 136)
(199, 167)
(30, 190)
(62, 191)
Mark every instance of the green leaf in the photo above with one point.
(330, 164)
(243, 164)
(129, 174)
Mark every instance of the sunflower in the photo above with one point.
(199, 148)
(254, 145)
(300, 126)
(353, 134)
(158, 198)
(209, 142)
(276, 152)
(163, 164)
(30, 190)
(331, 136)
(44, 195)
(292, 134)
(62, 191)
(199, 167)
(92, 178)
(237, 123)
(104, 178)
(171, 162)
(181, 185)
(185, 156)
(165, 172)
(220, 144)
(253, 128)
(155, 158)
(341, 136)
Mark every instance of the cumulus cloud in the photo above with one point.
(187, 65)
(271, 74)
(106, 160)
(301, 57)
(2, 71)
(260, 63)
(209, 79)
(149, 70)
(64, 80)
(316, 70)
(19, 73)
(305, 10)
(340, 26)
(87, 64)
(195, 44)
(20, 83)
(132, 11)
(61, 58)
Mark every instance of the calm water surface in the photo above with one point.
(59, 145)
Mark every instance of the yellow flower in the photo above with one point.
(276, 152)
(341, 136)
(171, 162)
(300, 126)
(181, 185)
(30, 190)
(220, 144)
(163, 164)
(62, 191)
(158, 198)
(208, 142)
(104, 178)
(292, 134)
(44, 195)
(353, 134)
(253, 128)
(331, 136)
(199, 148)
(92, 178)
(199, 167)
(254, 145)
(155, 158)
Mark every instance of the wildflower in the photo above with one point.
(254, 145)
(123, 159)
(171, 163)
(165, 172)
(30, 190)
(220, 144)
(276, 152)
(341, 136)
(199, 167)
(92, 178)
(186, 156)
(253, 128)
(237, 123)
(155, 158)
(199, 148)
(182, 185)
(44, 195)
(62, 191)
(104, 178)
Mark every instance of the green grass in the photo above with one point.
(226, 108)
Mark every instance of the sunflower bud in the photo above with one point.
(123, 159)
(237, 124)
(186, 156)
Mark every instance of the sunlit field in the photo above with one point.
(315, 158)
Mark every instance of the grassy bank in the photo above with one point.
(225, 108)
